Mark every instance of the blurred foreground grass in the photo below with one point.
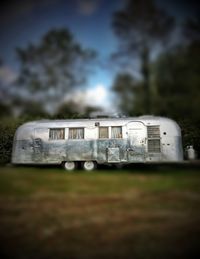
(131, 213)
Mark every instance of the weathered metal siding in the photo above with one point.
(32, 143)
(171, 141)
(137, 144)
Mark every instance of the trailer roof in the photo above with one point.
(145, 118)
(25, 130)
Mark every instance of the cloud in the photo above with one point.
(87, 7)
(7, 75)
(97, 96)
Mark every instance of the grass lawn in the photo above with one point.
(129, 213)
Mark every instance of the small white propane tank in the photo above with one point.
(190, 153)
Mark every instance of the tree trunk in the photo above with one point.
(145, 72)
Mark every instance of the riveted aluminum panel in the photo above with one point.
(113, 155)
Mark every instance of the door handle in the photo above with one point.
(129, 149)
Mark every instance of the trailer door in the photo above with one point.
(137, 134)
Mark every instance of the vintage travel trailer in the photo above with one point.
(98, 141)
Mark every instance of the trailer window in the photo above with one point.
(57, 133)
(76, 133)
(116, 132)
(103, 132)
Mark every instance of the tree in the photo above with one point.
(140, 27)
(33, 110)
(129, 93)
(5, 107)
(191, 29)
(177, 81)
(5, 110)
(71, 109)
(177, 76)
(1, 83)
(51, 68)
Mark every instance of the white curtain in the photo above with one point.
(116, 132)
(57, 133)
(76, 133)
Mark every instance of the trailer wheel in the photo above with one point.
(89, 165)
(69, 166)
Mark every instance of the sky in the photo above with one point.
(26, 21)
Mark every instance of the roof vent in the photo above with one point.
(147, 116)
(105, 115)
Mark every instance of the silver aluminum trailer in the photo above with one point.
(98, 140)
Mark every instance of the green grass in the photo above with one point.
(130, 213)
